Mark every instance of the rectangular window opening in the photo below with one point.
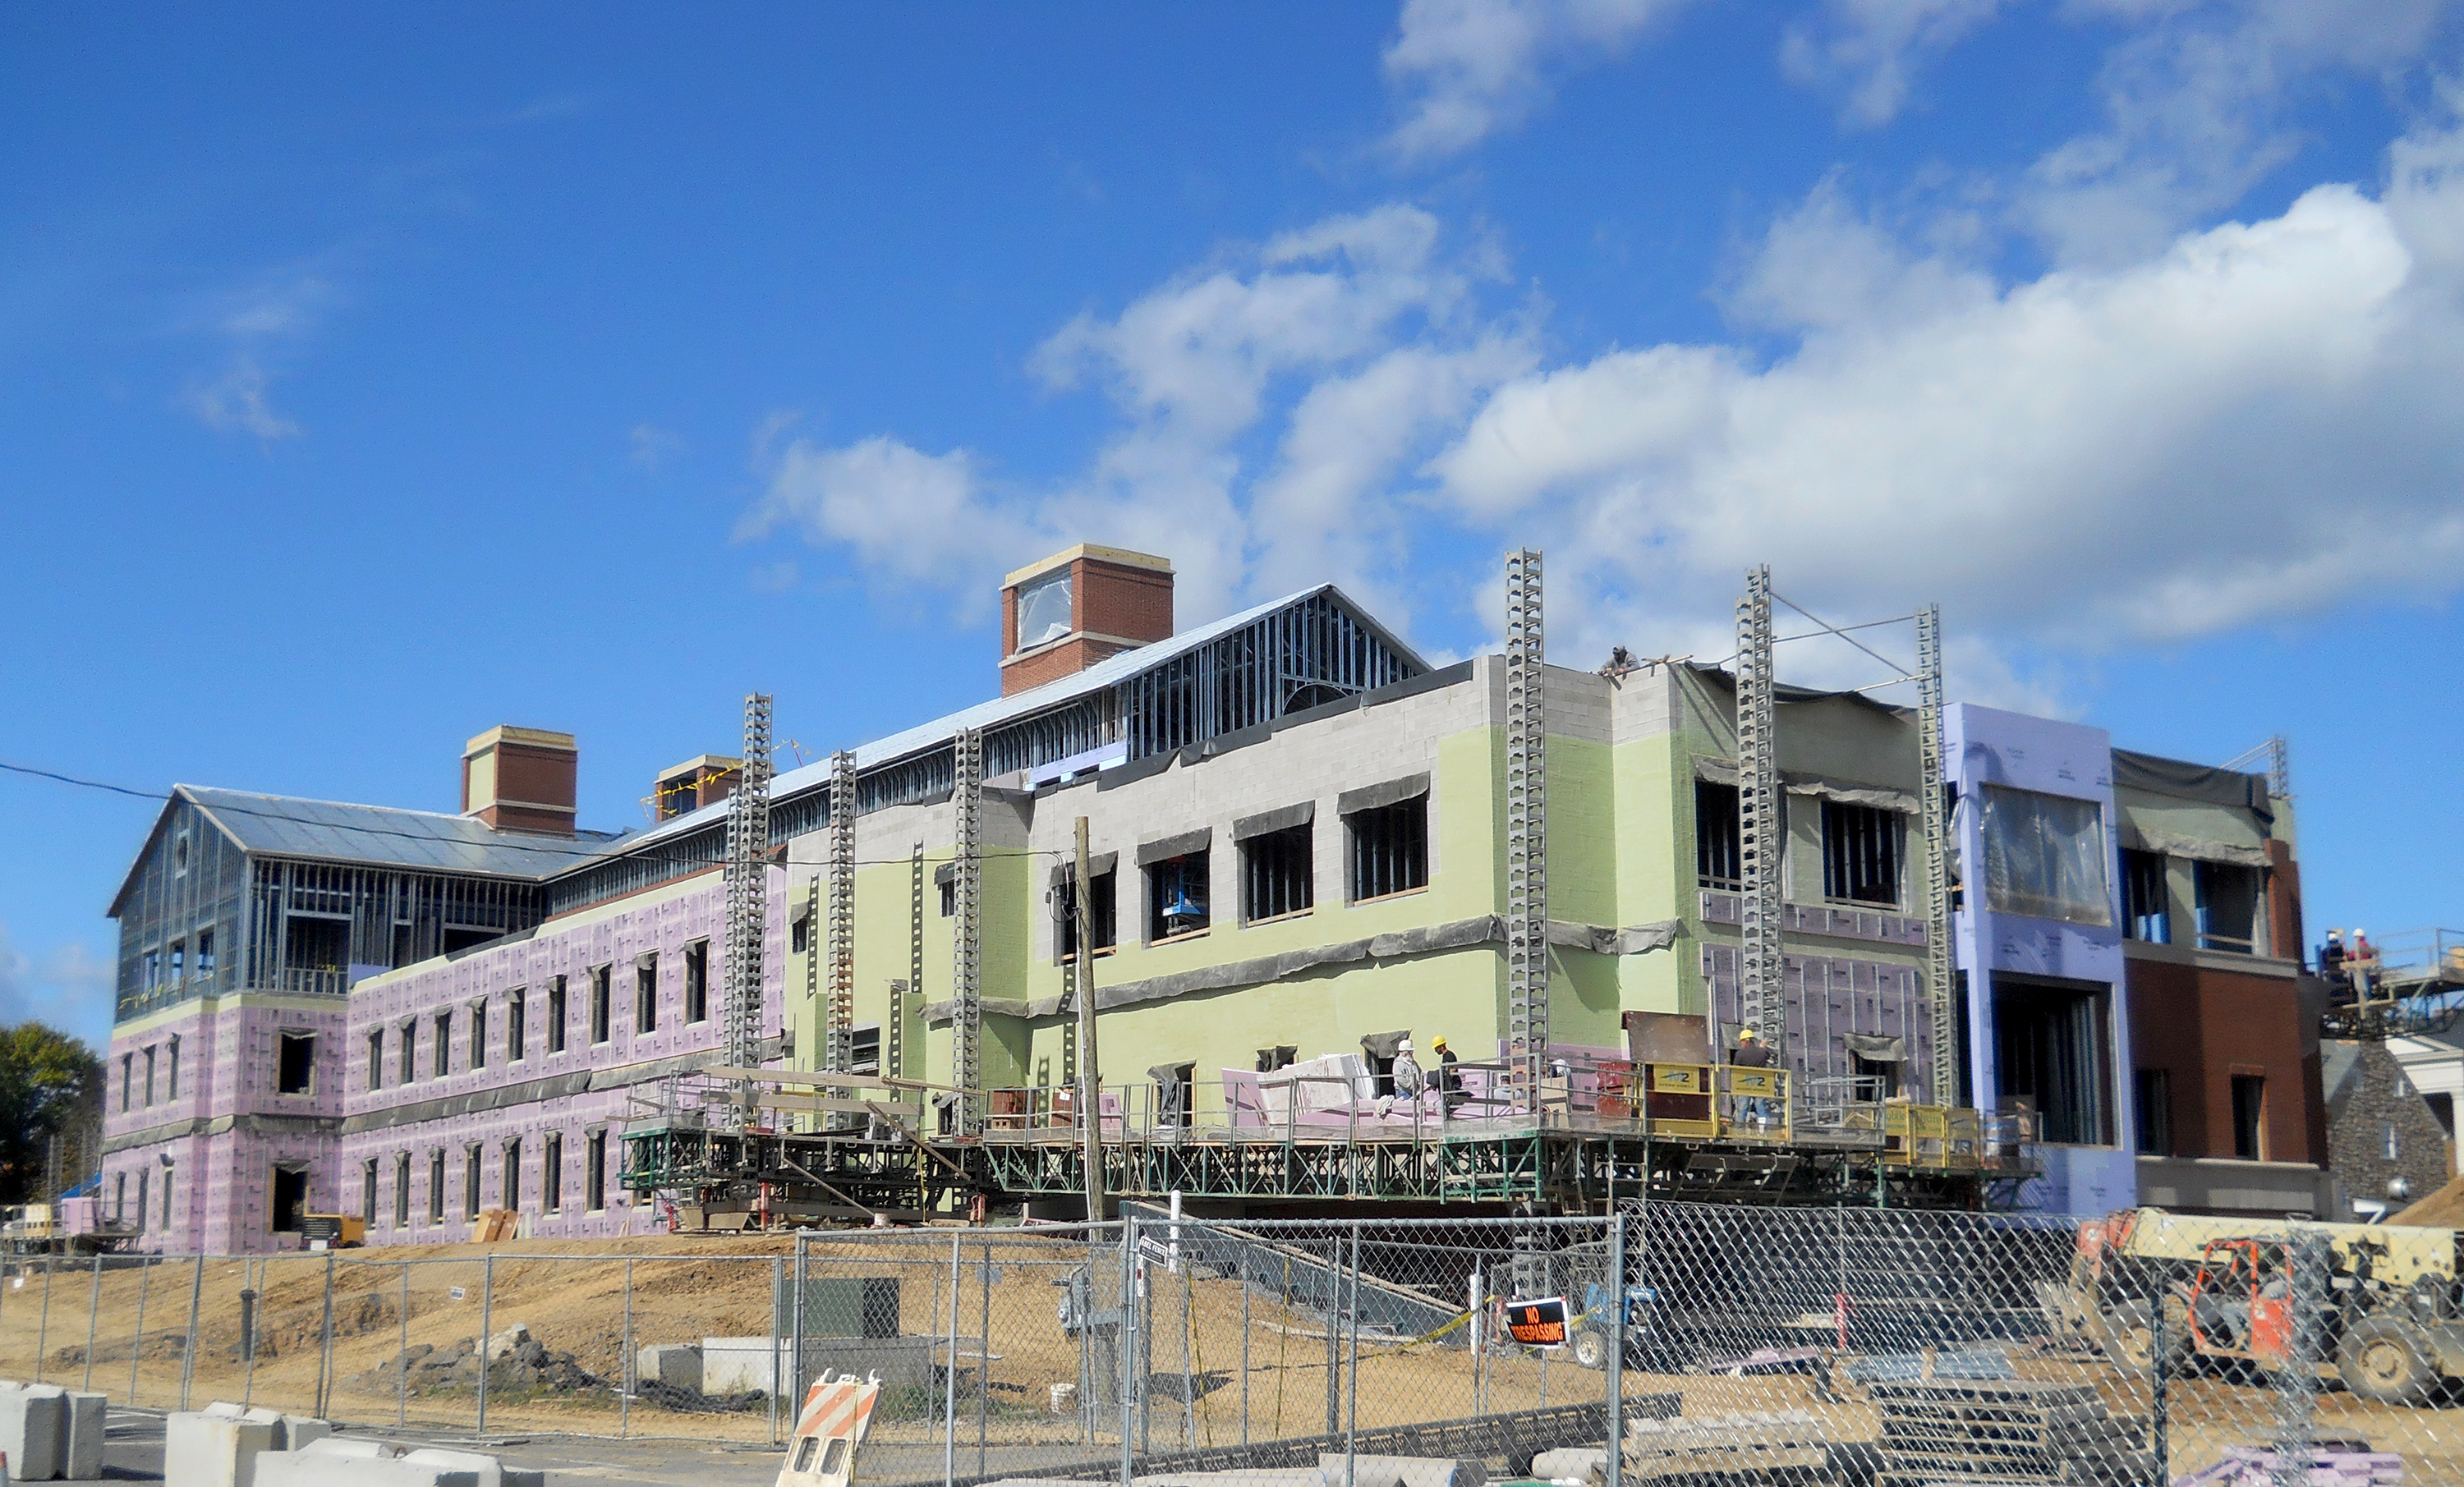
(369, 1192)
(1176, 896)
(408, 1033)
(436, 1185)
(290, 1191)
(697, 982)
(1862, 846)
(128, 1081)
(646, 998)
(402, 1190)
(2145, 905)
(2228, 907)
(800, 936)
(376, 1060)
(2249, 1117)
(1103, 905)
(2044, 857)
(1719, 859)
(2055, 1050)
(295, 1064)
(556, 1015)
(149, 1077)
(173, 1078)
(594, 1170)
(600, 977)
(2153, 1095)
(518, 1011)
(1278, 873)
(512, 1186)
(470, 1183)
(205, 954)
(552, 1172)
(478, 1035)
(443, 1045)
(1390, 848)
(865, 1049)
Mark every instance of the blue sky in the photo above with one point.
(379, 377)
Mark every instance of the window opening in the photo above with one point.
(471, 1183)
(1278, 873)
(436, 1185)
(2044, 856)
(1176, 896)
(2054, 1048)
(511, 1189)
(556, 1015)
(800, 936)
(143, 1201)
(646, 998)
(478, 1035)
(179, 961)
(2443, 1105)
(697, 982)
(120, 1199)
(2154, 1099)
(408, 1033)
(1044, 609)
(1860, 853)
(174, 1076)
(128, 1081)
(444, 1060)
(1718, 855)
(2145, 907)
(949, 887)
(2249, 1117)
(599, 977)
(402, 1190)
(376, 1060)
(369, 1192)
(552, 1172)
(205, 954)
(594, 1170)
(518, 1009)
(169, 1170)
(2228, 907)
(865, 1049)
(1103, 904)
(2392, 1146)
(1390, 848)
(149, 1077)
(290, 1198)
(295, 1063)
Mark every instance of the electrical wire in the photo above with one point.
(612, 850)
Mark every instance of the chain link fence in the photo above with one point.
(1721, 1343)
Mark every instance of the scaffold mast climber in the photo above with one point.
(1527, 828)
(966, 988)
(1933, 817)
(1762, 962)
(837, 1023)
(745, 880)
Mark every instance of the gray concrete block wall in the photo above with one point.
(33, 1432)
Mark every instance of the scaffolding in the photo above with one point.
(747, 889)
(1933, 815)
(1761, 834)
(837, 1023)
(1527, 824)
(967, 880)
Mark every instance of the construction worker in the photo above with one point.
(1408, 1082)
(1751, 1053)
(1449, 1083)
(2331, 959)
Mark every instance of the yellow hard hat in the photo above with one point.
(1439, 1041)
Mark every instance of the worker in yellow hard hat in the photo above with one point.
(1443, 1078)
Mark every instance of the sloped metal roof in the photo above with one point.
(383, 837)
(1108, 672)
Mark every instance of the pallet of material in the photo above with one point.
(2007, 1431)
(1792, 1442)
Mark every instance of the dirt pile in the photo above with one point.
(519, 1366)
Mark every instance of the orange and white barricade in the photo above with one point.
(837, 1412)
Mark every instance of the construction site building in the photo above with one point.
(1307, 842)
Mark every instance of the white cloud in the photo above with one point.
(234, 402)
(2197, 102)
(1356, 338)
(650, 445)
(1471, 67)
(69, 989)
(2251, 424)
(1871, 47)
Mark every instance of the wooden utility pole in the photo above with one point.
(1089, 1084)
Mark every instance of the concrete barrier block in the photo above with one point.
(300, 1431)
(33, 1432)
(207, 1449)
(676, 1365)
(225, 1410)
(352, 1446)
(1572, 1464)
(308, 1469)
(1411, 1470)
(83, 1456)
(490, 1471)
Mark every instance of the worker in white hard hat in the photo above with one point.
(1408, 1082)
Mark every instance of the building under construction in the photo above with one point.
(1308, 855)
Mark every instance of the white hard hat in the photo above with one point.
(1403, 1045)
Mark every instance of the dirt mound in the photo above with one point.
(2441, 1209)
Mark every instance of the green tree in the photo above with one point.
(49, 1085)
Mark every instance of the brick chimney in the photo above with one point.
(1074, 608)
(521, 779)
(702, 781)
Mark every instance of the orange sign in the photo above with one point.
(1539, 1322)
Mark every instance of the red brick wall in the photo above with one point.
(2284, 901)
(2205, 1026)
(1062, 658)
(1135, 603)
